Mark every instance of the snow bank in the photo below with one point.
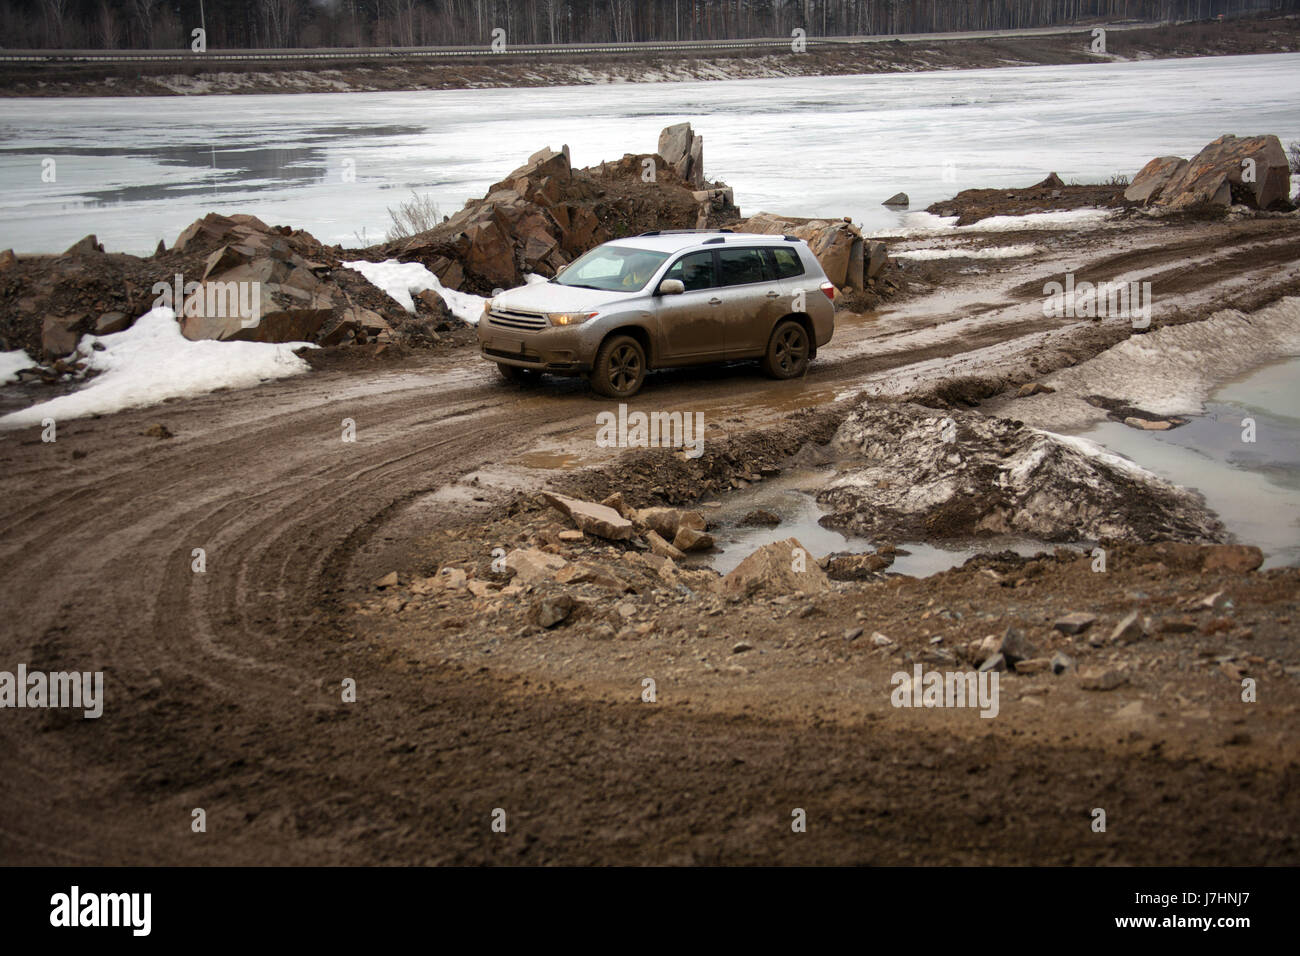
(1173, 370)
(992, 252)
(152, 361)
(11, 363)
(402, 280)
(928, 224)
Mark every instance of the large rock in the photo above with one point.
(1252, 170)
(682, 149)
(59, 334)
(602, 521)
(781, 567)
(532, 566)
(1153, 178)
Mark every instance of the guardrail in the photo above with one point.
(452, 53)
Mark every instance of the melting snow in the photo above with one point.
(152, 361)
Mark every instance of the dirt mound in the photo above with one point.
(1050, 195)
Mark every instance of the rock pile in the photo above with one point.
(546, 213)
(1250, 170)
(296, 301)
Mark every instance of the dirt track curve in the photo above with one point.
(223, 687)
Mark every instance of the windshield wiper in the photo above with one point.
(579, 285)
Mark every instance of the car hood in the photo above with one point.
(553, 297)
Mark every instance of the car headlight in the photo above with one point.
(569, 318)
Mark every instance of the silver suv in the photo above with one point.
(665, 299)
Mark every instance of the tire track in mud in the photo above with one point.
(223, 688)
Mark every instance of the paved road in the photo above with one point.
(683, 47)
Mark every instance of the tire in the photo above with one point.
(788, 351)
(619, 369)
(516, 375)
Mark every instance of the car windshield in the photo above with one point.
(613, 269)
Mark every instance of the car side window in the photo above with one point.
(695, 270)
(784, 262)
(741, 266)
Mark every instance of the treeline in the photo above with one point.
(236, 24)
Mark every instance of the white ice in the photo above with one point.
(134, 170)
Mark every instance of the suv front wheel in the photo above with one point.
(619, 368)
(787, 351)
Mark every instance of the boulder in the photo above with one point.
(898, 199)
(1233, 558)
(532, 566)
(59, 334)
(1153, 177)
(682, 150)
(669, 521)
(692, 539)
(1252, 170)
(553, 609)
(661, 547)
(87, 245)
(111, 322)
(876, 257)
(7, 259)
(1075, 623)
(602, 521)
(781, 567)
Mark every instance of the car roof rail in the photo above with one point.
(682, 232)
(789, 238)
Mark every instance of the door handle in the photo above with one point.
(774, 294)
(715, 301)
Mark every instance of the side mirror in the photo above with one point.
(671, 287)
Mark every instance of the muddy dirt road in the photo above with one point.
(223, 687)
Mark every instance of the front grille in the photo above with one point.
(519, 321)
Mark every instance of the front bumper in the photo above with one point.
(560, 351)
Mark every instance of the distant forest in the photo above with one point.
(235, 24)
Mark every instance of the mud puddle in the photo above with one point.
(790, 497)
(1254, 485)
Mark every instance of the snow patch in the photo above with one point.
(402, 280)
(11, 363)
(992, 252)
(152, 361)
(928, 224)
(1170, 371)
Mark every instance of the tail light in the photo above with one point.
(829, 289)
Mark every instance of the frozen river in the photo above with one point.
(136, 170)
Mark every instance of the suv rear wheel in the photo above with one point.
(619, 368)
(787, 351)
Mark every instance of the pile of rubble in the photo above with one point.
(546, 213)
(1251, 171)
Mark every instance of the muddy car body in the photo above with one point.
(663, 300)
